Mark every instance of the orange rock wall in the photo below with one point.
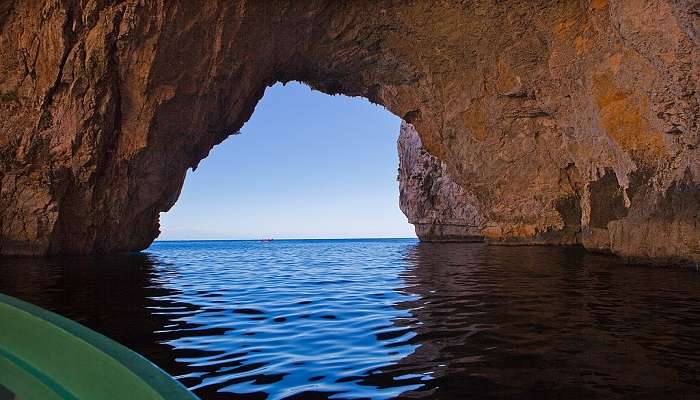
(568, 121)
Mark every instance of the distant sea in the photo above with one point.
(385, 318)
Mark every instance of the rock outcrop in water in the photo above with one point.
(561, 122)
(433, 202)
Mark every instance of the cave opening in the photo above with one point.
(306, 165)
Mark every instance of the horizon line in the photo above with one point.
(263, 238)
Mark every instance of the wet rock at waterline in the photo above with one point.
(554, 122)
(437, 206)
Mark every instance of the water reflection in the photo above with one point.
(109, 294)
(535, 322)
(385, 319)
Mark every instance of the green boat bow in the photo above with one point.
(44, 356)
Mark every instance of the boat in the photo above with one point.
(49, 357)
(266, 240)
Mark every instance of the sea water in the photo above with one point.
(384, 318)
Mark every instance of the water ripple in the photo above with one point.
(384, 319)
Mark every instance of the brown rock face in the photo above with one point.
(560, 121)
(439, 208)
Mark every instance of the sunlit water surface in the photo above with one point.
(348, 319)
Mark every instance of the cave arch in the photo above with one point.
(305, 165)
(528, 104)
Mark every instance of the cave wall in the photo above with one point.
(565, 122)
(439, 208)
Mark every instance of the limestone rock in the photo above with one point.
(438, 207)
(561, 122)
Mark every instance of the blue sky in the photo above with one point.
(306, 165)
